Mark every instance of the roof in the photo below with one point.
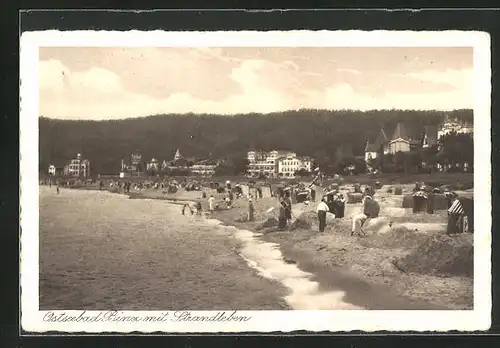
(371, 147)
(430, 135)
(206, 162)
(177, 154)
(381, 139)
(400, 132)
(375, 146)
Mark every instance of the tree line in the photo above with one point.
(455, 152)
(316, 133)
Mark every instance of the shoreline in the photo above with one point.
(334, 256)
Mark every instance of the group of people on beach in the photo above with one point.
(371, 210)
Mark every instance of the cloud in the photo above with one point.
(311, 73)
(213, 52)
(352, 71)
(247, 74)
(56, 77)
(99, 93)
(97, 79)
(343, 96)
(258, 85)
(52, 75)
(458, 78)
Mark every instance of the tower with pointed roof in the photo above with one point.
(177, 155)
(399, 132)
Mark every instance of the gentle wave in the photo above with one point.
(267, 260)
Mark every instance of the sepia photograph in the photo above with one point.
(234, 178)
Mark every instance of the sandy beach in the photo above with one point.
(407, 254)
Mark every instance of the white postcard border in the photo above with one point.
(32, 320)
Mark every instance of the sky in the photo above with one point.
(99, 83)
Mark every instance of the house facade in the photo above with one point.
(179, 162)
(204, 168)
(265, 163)
(153, 165)
(78, 167)
(453, 126)
(52, 170)
(132, 167)
(276, 163)
(288, 165)
(400, 141)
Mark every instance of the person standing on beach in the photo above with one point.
(211, 204)
(322, 210)
(282, 215)
(186, 205)
(455, 215)
(251, 210)
(288, 207)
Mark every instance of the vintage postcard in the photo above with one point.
(197, 182)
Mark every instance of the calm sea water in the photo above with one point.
(104, 251)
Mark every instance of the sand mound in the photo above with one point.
(424, 227)
(269, 222)
(394, 211)
(398, 237)
(300, 224)
(432, 254)
(441, 255)
(380, 225)
(242, 218)
(309, 220)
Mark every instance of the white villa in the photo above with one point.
(453, 126)
(204, 167)
(78, 167)
(276, 163)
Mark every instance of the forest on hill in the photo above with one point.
(315, 133)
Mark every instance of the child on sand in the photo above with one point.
(211, 204)
(198, 208)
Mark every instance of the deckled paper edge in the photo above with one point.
(262, 321)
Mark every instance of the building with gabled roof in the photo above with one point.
(205, 167)
(372, 149)
(266, 162)
(430, 136)
(452, 125)
(400, 141)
